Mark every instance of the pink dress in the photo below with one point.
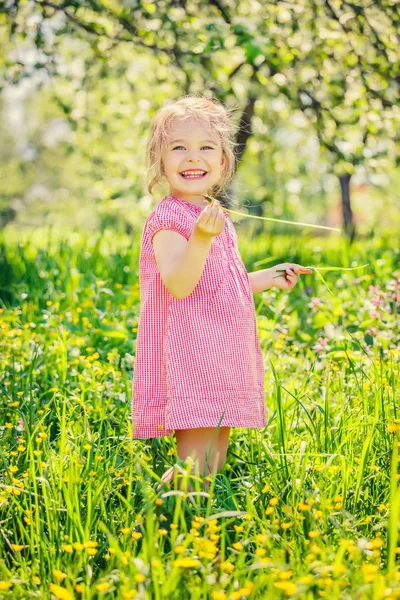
(198, 359)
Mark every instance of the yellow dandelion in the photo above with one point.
(5, 585)
(274, 501)
(125, 530)
(288, 587)
(237, 546)
(16, 547)
(306, 580)
(393, 428)
(313, 534)
(59, 575)
(227, 566)
(286, 525)
(284, 575)
(78, 546)
(102, 587)
(338, 568)
(186, 562)
(60, 592)
(375, 543)
(218, 595)
(67, 548)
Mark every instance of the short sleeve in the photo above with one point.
(165, 217)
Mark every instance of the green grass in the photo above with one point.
(307, 508)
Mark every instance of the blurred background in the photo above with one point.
(315, 86)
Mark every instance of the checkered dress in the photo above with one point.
(198, 359)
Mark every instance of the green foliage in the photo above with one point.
(309, 505)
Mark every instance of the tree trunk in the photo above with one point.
(243, 133)
(348, 221)
(244, 130)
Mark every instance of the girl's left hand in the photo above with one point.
(287, 279)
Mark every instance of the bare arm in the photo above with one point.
(261, 280)
(180, 262)
(283, 276)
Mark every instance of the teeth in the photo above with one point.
(192, 173)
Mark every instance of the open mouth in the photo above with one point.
(193, 174)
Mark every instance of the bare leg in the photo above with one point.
(199, 441)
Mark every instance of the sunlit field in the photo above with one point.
(307, 508)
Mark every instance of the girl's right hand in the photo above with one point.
(210, 222)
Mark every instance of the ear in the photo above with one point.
(223, 161)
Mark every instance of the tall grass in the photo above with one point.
(307, 508)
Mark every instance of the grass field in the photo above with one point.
(307, 508)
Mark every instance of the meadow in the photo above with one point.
(307, 508)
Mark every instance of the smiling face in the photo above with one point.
(192, 161)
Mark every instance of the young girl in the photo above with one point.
(199, 369)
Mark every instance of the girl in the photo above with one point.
(199, 368)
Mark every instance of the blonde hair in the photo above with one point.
(210, 113)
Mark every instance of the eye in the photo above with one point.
(202, 147)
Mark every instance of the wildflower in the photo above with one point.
(102, 587)
(321, 346)
(237, 546)
(59, 575)
(78, 546)
(60, 592)
(16, 547)
(315, 302)
(227, 566)
(313, 534)
(306, 580)
(5, 585)
(393, 428)
(288, 587)
(374, 544)
(274, 501)
(186, 562)
(369, 572)
(284, 575)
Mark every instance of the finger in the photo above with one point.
(218, 212)
(209, 214)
